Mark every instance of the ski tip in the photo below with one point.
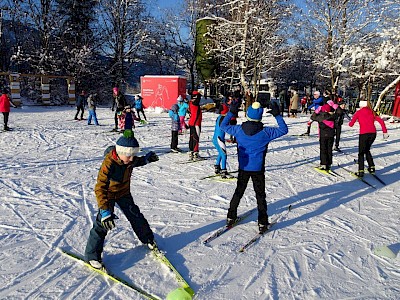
(290, 207)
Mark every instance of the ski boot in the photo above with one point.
(360, 173)
(231, 222)
(224, 174)
(196, 156)
(96, 264)
(263, 227)
(371, 169)
(217, 169)
(190, 155)
(152, 245)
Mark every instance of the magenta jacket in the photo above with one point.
(4, 103)
(366, 118)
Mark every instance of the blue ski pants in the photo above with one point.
(140, 226)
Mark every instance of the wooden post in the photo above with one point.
(15, 89)
(45, 90)
(71, 91)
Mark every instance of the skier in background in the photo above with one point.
(140, 108)
(114, 187)
(5, 103)
(325, 117)
(317, 102)
(92, 103)
(219, 143)
(119, 103)
(366, 118)
(195, 120)
(183, 108)
(80, 105)
(252, 139)
(175, 127)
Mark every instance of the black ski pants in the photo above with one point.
(338, 132)
(174, 139)
(365, 142)
(258, 179)
(325, 150)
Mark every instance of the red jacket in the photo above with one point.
(4, 103)
(366, 118)
(196, 114)
(396, 106)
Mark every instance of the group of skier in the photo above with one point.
(329, 112)
(252, 138)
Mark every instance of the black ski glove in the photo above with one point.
(275, 109)
(151, 157)
(234, 107)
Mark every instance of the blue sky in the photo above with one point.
(167, 3)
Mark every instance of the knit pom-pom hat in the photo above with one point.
(127, 144)
(255, 112)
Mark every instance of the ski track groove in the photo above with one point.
(41, 262)
(260, 271)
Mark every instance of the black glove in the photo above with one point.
(151, 157)
(234, 107)
(107, 219)
(275, 109)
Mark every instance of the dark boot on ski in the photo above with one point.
(217, 169)
(371, 170)
(305, 134)
(231, 222)
(225, 174)
(359, 174)
(196, 156)
(336, 148)
(262, 228)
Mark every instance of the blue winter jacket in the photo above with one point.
(183, 107)
(175, 125)
(218, 133)
(138, 104)
(252, 141)
(316, 103)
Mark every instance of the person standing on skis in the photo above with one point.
(252, 144)
(114, 187)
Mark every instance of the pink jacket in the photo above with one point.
(366, 118)
(4, 103)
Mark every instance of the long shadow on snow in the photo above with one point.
(333, 196)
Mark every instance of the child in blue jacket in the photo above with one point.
(183, 108)
(219, 143)
(139, 107)
(175, 126)
(252, 144)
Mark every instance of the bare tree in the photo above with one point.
(122, 29)
(246, 38)
(335, 25)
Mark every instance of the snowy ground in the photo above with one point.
(324, 250)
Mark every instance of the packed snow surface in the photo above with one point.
(325, 249)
